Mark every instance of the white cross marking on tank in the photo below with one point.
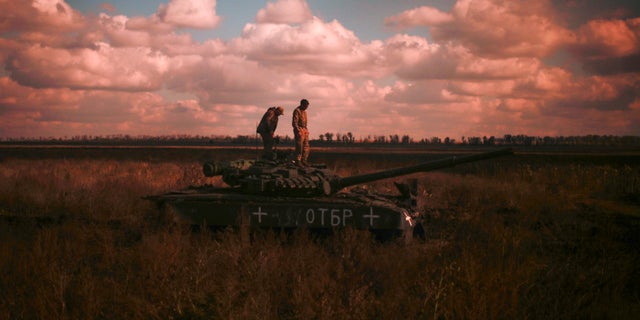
(371, 216)
(260, 214)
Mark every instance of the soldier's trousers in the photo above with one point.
(302, 146)
(267, 141)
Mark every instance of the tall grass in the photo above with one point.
(521, 241)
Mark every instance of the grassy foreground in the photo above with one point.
(530, 240)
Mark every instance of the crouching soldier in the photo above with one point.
(267, 128)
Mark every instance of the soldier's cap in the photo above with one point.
(280, 110)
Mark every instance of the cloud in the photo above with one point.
(48, 22)
(198, 14)
(314, 46)
(182, 115)
(224, 79)
(48, 16)
(599, 39)
(595, 93)
(422, 16)
(108, 7)
(128, 69)
(15, 98)
(119, 31)
(545, 83)
(7, 46)
(416, 59)
(609, 66)
(488, 67)
(194, 14)
(493, 28)
(424, 92)
(232, 80)
(285, 11)
(608, 47)
(49, 112)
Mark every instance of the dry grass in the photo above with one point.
(519, 242)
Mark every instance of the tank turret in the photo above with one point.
(286, 179)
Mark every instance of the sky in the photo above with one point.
(441, 68)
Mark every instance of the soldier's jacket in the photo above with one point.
(269, 122)
(299, 120)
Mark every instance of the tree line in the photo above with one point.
(330, 139)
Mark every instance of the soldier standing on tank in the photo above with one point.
(301, 132)
(267, 128)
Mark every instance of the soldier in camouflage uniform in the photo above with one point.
(267, 128)
(301, 133)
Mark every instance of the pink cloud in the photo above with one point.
(120, 31)
(49, 22)
(496, 88)
(199, 14)
(7, 46)
(404, 50)
(537, 118)
(181, 115)
(195, 14)
(232, 80)
(422, 16)
(598, 39)
(420, 60)
(481, 72)
(306, 39)
(151, 24)
(108, 7)
(60, 111)
(26, 111)
(105, 67)
(610, 66)
(617, 92)
(219, 79)
(285, 11)
(15, 98)
(314, 47)
(526, 104)
(424, 92)
(546, 83)
(492, 28)
(42, 15)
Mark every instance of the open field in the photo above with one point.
(543, 234)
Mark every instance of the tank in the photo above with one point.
(282, 195)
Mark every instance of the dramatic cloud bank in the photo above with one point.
(484, 67)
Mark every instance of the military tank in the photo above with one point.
(279, 194)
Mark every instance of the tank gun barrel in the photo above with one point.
(423, 167)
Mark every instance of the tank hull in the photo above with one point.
(221, 208)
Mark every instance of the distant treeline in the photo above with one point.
(330, 139)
